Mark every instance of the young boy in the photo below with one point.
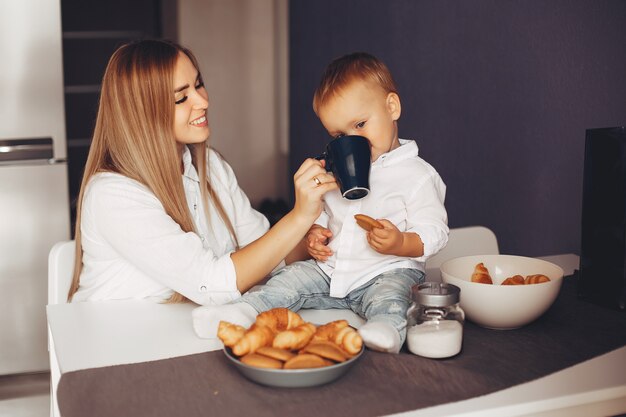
(372, 272)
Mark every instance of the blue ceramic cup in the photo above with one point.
(349, 159)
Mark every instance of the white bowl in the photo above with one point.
(503, 306)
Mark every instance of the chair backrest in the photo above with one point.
(60, 271)
(463, 241)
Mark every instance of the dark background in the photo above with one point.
(92, 31)
(497, 94)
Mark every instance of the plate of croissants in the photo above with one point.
(281, 349)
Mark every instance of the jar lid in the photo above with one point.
(436, 294)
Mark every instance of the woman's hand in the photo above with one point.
(311, 182)
(317, 240)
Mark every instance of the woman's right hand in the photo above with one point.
(311, 182)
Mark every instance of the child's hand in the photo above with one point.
(388, 240)
(317, 240)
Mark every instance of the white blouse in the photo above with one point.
(405, 190)
(133, 249)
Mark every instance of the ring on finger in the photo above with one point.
(317, 181)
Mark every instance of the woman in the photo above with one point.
(160, 214)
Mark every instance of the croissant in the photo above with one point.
(481, 274)
(230, 333)
(536, 279)
(514, 280)
(328, 330)
(256, 337)
(306, 360)
(350, 340)
(342, 334)
(279, 319)
(296, 338)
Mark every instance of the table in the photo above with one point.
(93, 335)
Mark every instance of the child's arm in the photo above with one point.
(391, 241)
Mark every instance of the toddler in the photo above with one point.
(370, 273)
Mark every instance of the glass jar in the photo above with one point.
(435, 320)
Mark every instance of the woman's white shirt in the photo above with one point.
(133, 249)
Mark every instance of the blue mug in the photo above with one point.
(349, 159)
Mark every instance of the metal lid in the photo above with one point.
(436, 294)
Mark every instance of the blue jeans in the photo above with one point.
(384, 298)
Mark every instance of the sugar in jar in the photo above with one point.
(435, 320)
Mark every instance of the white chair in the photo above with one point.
(463, 241)
(60, 271)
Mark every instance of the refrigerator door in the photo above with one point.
(34, 202)
(34, 215)
(31, 72)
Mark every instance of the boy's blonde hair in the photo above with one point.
(134, 136)
(348, 68)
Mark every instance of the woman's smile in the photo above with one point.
(200, 122)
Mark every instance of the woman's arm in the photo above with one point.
(128, 237)
(255, 261)
(299, 253)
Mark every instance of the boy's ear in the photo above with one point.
(393, 105)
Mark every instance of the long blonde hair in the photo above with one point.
(134, 136)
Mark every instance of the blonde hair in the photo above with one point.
(134, 136)
(348, 68)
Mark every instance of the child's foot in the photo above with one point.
(380, 336)
(207, 318)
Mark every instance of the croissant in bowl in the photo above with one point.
(481, 275)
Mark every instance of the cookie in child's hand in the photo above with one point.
(367, 223)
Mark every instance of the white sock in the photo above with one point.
(207, 318)
(380, 336)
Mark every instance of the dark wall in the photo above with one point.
(497, 94)
(92, 31)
